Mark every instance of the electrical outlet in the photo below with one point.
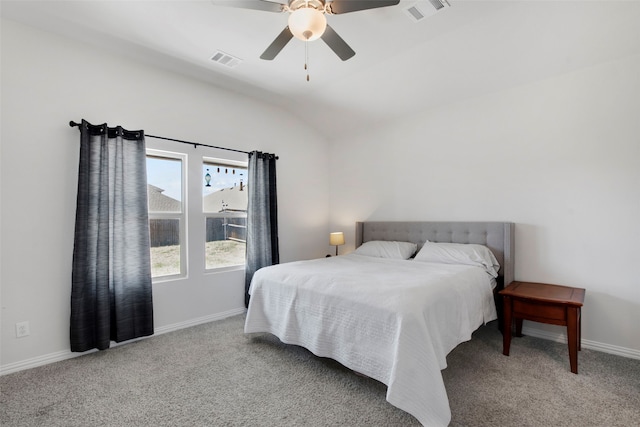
(22, 329)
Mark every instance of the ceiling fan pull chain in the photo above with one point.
(306, 58)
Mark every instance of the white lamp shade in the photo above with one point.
(307, 23)
(336, 239)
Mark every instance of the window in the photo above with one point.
(221, 242)
(165, 189)
(224, 203)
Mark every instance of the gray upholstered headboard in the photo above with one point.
(497, 236)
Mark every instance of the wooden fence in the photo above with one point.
(229, 228)
(166, 232)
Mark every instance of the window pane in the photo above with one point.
(226, 241)
(224, 200)
(165, 247)
(164, 184)
(224, 188)
(164, 195)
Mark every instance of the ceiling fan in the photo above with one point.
(307, 20)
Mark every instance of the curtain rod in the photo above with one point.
(195, 144)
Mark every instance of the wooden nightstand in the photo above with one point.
(545, 303)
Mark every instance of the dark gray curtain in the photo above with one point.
(111, 277)
(262, 216)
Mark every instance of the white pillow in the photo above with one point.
(387, 249)
(459, 253)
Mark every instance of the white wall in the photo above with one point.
(560, 158)
(49, 80)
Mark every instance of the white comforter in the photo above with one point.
(391, 320)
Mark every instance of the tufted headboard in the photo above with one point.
(497, 236)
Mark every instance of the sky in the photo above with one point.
(165, 174)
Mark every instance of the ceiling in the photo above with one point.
(401, 67)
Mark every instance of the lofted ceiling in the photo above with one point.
(401, 67)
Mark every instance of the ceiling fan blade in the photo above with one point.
(337, 44)
(344, 6)
(266, 6)
(276, 46)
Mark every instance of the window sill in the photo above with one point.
(225, 269)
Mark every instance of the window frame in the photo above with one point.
(180, 216)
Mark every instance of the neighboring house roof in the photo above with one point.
(158, 202)
(234, 199)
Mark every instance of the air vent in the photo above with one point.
(226, 59)
(424, 8)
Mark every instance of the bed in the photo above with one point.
(390, 318)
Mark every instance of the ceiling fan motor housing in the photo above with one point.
(311, 4)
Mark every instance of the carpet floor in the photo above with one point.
(214, 375)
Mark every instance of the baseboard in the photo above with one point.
(591, 345)
(199, 321)
(67, 354)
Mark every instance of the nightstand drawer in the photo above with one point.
(535, 310)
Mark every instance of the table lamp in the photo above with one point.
(336, 239)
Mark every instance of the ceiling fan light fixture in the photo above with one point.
(307, 23)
